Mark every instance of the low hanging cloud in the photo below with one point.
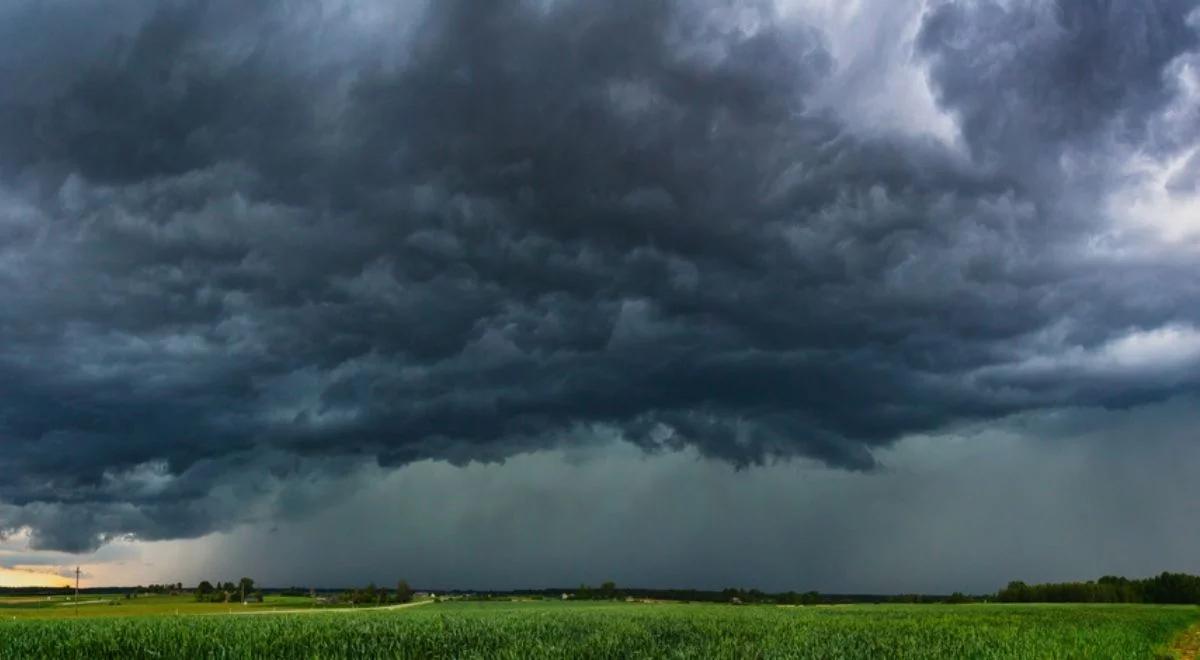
(276, 239)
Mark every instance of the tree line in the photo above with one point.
(1164, 588)
(245, 589)
(227, 592)
(1167, 588)
(1177, 588)
(372, 595)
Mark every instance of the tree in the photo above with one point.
(204, 590)
(404, 594)
(246, 586)
(1016, 592)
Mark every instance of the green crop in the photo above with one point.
(620, 630)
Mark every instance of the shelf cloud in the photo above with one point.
(246, 246)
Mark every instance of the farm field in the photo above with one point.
(116, 605)
(552, 629)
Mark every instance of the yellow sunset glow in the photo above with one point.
(10, 577)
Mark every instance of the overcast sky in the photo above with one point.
(807, 294)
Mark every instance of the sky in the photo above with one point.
(791, 294)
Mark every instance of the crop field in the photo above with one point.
(116, 605)
(552, 629)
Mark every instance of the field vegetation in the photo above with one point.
(597, 629)
(108, 605)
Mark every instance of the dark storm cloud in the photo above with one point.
(242, 240)
(1027, 73)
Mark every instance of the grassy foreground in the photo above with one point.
(619, 630)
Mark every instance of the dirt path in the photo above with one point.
(319, 610)
(84, 602)
(1187, 645)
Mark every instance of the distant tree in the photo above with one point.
(404, 593)
(608, 590)
(204, 590)
(1016, 592)
(245, 587)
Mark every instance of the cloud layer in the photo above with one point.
(242, 245)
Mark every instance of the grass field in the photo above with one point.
(116, 605)
(552, 629)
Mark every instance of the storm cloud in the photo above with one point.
(245, 246)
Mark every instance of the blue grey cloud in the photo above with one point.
(242, 239)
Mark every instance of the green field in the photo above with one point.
(552, 629)
(116, 605)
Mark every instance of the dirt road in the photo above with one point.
(322, 610)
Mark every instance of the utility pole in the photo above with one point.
(77, 591)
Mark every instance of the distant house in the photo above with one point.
(253, 598)
(566, 596)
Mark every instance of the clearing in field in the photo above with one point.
(549, 629)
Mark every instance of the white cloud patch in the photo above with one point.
(1168, 350)
(877, 85)
(1157, 202)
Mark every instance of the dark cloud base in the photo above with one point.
(241, 241)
